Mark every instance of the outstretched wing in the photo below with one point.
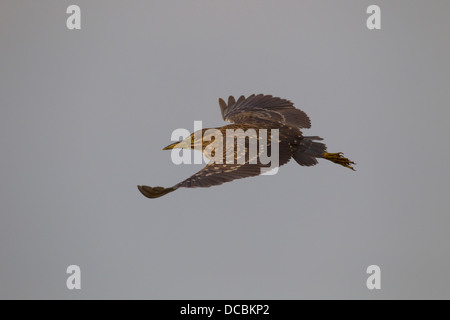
(211, 175)
(261, 108)
(214, 174)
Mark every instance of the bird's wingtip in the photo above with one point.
(154, 192)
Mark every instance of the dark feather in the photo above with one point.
(257, 108)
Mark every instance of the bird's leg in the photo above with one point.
(339, 159)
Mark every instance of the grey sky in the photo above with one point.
(84, 116)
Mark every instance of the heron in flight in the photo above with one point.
(251, 115)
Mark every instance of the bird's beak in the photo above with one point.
(173, 146)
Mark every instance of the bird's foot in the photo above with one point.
(339, 159)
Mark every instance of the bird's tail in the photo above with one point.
(309, 150)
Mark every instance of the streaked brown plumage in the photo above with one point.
(253, 113)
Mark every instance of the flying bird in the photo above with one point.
(255, 117)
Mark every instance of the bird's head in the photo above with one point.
(192, 141)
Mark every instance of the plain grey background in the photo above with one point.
(84, 115)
